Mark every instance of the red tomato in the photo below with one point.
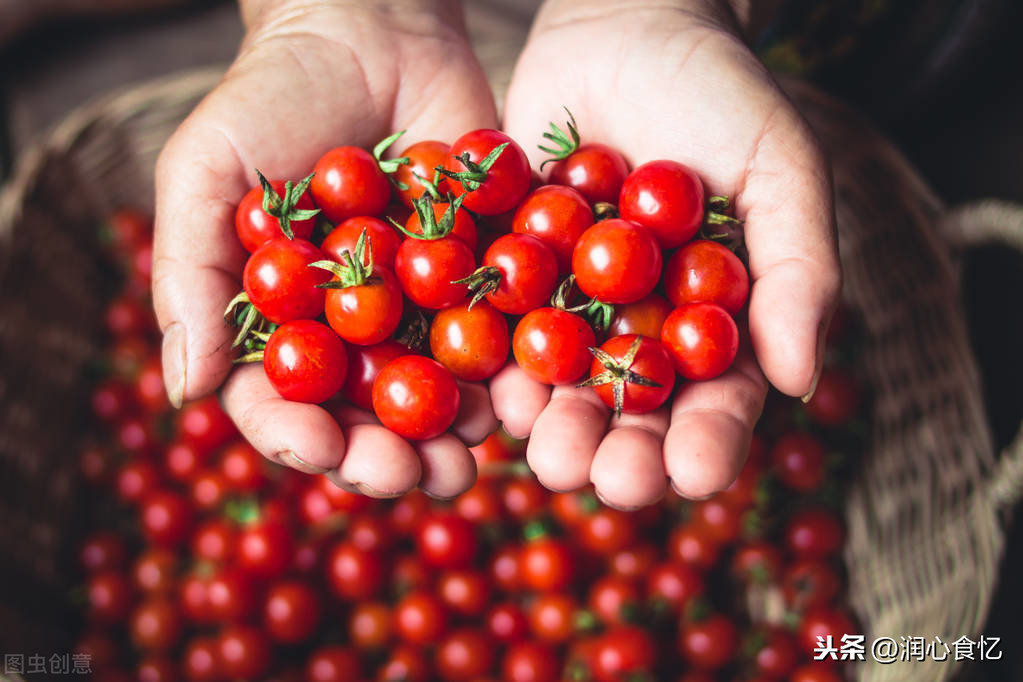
(674, 584)
(665, 197)
(551, 345)
(156, 625)
(415, 397)
(405, 664)
(382, 241)
(481, 503)
(109, 596)
(594, 170)
(279, 282)
(136, 479)
(518, 273)
(809, 583)
(836, 398)
(354, 574)
(370, 624)
(362, 307)
(506, 568)
(112, 400)
(623, 652)
(244, 652)
(266, 548)
(465, 654)
(420, 618)
(446, 540)
(814, 533)
(348, 183)
(126, 229)
(230, 595)
(552, 616)
(364, 364)
(616, 261)
(645, 316)
(243, 468)
(428, 269)
(305, 361)
(255, 226)
(721, 519)
(614, 599)
(800, 461)
(465, 591)
(710, 643)
(531, 662)
(214, 540)
(705, 271)
(291, 611)
(557, 216)
(182, 461)
(547, 564)
(757, 561)
(440, 222)
(524, 498)
(491, 185)
(208, 490)
(201, 660)
(692, 545)
(128, 316)
(102, 551)
(424, 157)
(607, 531)
(820, 623)
(472, 343)
(778, 656)
(635, 561)
(407, 512)
(166, 518)
(371, 533)
(205, 425)
(702, 339)
(506, 622)
(632, 374)
(156, 570)
(333, 663)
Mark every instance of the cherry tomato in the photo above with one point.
(462, 224)
(547, 564)
(465, 654)
(182, 461)
(622, 652)
(799, 460)
(809, 583)
(128, 316)
(370, 625)
(420, 618)
(551, 345)
(126, 229)
(778, 656)
(305, 361)
(137, 435)
(371, 533)
(607, 531)
(506, 568)
(472, 343)
(333, 663)
(705, 271)
(665, 197)
(230, 595)
(415, 397)
(465, 591)
(208, 490)
(518, 273)
(710, 643)
(354, 574)
(136, 479)
(405, 664)
(407, 512)
(645, 316)
(364, 364)
(109, 596)
(635, 561)
(428, 269)
(558, 216)
(524, 498)
(814, 533)
(820, 623)
(594, 170)
(348, 183)
(424, 157)
(279, 282)
(702, 339)
(102, 551)
(632, 374)
(166, 518)
(243, 468)
(757, 561)
(721, 519)
(481, 503)
(365, 308)
(155, 570)
(265, 548)
(201, 660)
(616, 261)
(552, 616)
(835, 399)
(291, 611)
(382, 241)
(244, 652)
(816, 672)
(446, 540)
(494, 187)
(694, 546)
(256, 227)
(156, 625)
(674, 584)
(614, 599)
(214, 540)
(506, 622)
(530, 662)
(205, 425)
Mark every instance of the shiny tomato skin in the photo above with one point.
(464, 226)
(230, 595)
(666, 197)
(800, 461)
(710, 643)
(464, 655)
(243, 467)
(102, 551)
(816, 672)
(705, 271)
(809, 583)
(279, 282)
(405, 664)
(465, 591)
(305, 361)
(528, 269)
(693, 546)
(651, 362)
(547, 564)
(166, 518)
(507, 180)
(507, 622)
(265, 548)
(366, 313)
(616, 261)
(200, 661)
(446, 540)
(719, 518)
(382, 241)
(530, 662)
(420, 618)
(415, 397)
(349, 183)
(613, 598)
(835, 398)
(427, 268)
(822, 622)
(558, 216)
(256, 227)
(244, 652)
(757, 561)
(354, 574)
(779, 655)
(596, 171)
(370, 625)
(156, 624)
(675, 584)
(334, 663)
(645, 316)
(552, 616)
(506, 567)
(291, 611)
(702, 339)
(623, 650)
(423, 158)
(551, 345)
(814, 533)
(205, 425)
(156, 570)
(364, 364)
(472, 343)
(109, 596)
(214, 540)
(480, 503)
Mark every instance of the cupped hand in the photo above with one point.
(310, 76)
(671, 79)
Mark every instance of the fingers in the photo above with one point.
(517, 400)
(475, 420)
(449, 469)
(379, 462)
(627, 471)
(299, 435)
(711, 427)
(565, 438)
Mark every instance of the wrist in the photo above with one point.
(735, 16)
(258, 14)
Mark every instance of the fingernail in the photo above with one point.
(173, 359)
(818, 360)
(438, 498)
(619, 507)
(295, 462)
(689, 497)
(370, 491)
(334, 476)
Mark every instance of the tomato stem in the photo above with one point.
(618, 373)
(475, 174)
(565, 143)
(389, 166)
(353, 272)
(483, 281)
(285, 208)
(431, 227)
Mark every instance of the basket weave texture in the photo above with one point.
(926, 512)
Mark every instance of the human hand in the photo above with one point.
(671, 79)
(310, 76)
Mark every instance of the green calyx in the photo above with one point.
(604, 210)
(535, 530)
(618, 373)
(353, 272)
(475, 173)
(243, 511)
(284, 208)
(564, 143)
(597, 313)
(430, 185)
(432, 228)
(414, 331)
(389, 166)
(483, 281)
(254, 330)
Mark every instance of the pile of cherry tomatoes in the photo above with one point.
(202, 561)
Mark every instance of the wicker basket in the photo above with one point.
(926, 514)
